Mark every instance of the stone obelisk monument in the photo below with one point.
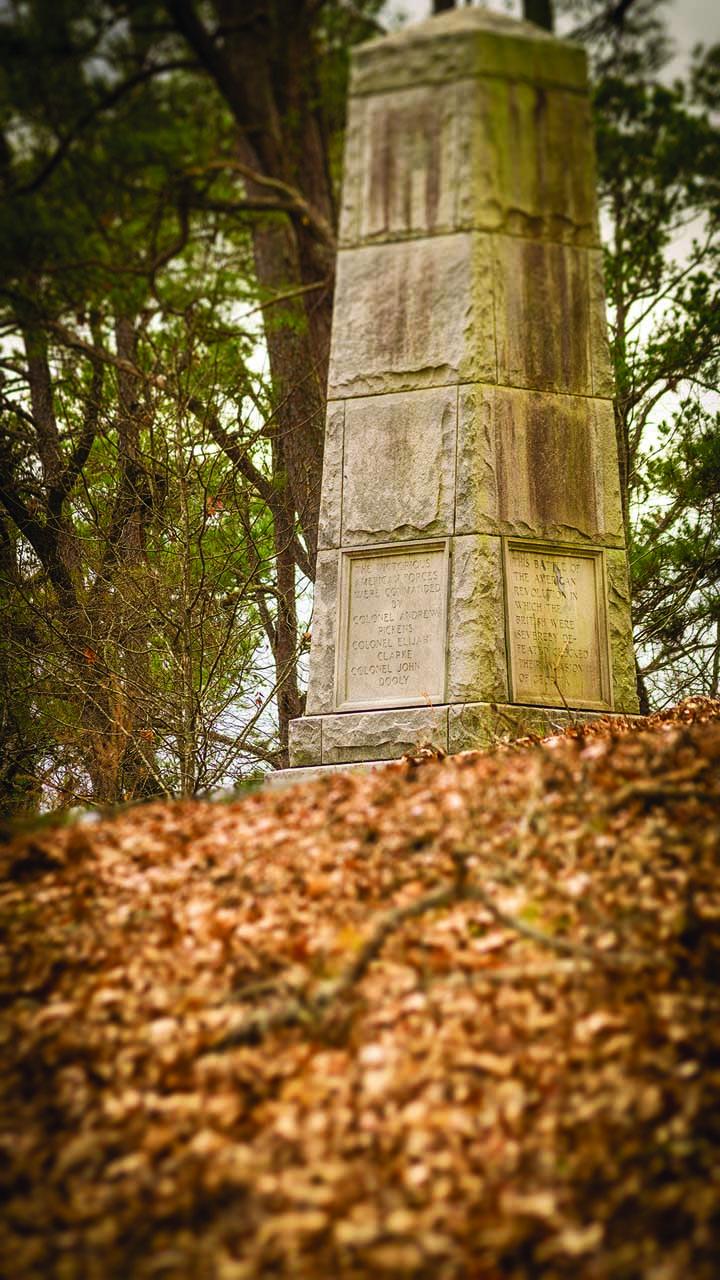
(472, 573)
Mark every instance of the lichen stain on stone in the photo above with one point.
(381, 174)
(514, 137)
(537, 321)
(406, 154)
(554, 319)
(540, 120)
(562, 295)
(560, 470)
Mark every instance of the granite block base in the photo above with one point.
(368, 738)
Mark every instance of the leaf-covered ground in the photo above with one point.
(453, 1019)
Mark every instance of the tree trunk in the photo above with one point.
(129, 710)
(298, 365)
(265, 65)
(540, 12)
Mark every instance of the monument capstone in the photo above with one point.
(472, 570)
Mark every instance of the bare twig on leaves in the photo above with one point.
(671, 786)
(311, 1009)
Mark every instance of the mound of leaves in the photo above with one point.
(452, 1019)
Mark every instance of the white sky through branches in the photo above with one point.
(690, 22)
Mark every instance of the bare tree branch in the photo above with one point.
(299, 1010)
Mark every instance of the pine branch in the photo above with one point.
(105, 103)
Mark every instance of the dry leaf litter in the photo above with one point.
(456, 1018)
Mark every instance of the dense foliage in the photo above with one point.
(659, 160)
(134, 553)
(150, 535)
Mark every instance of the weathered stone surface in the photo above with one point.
(542, 315)
(399, 472)
(620, 624)
(545, 160)
(416, 313)
(557, 625)
(392, 626)
(527, 161)
(321, 682)
(477, 726)
(468, 276)
(464, 43)
(353, 182)
(537, 463)
(611, 530)
(477, 668)
(332, 477)
(305, 741)
(410, 163)
(382, 735)
(476, 482)
(480, 200)
(602, 376)
(473, 154)
(291, 777)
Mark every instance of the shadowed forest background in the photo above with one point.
(170, 175)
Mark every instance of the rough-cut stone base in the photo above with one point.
(370, 737)
(366, 735)
(477, 726)
(289, 777)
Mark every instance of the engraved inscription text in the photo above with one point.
(558, 645)
(394, 633)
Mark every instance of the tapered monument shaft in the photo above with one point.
(472, 569)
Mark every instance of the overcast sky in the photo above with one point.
(690, 21)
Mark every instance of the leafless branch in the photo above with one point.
(300, 1010)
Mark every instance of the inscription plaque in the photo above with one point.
(557, 628)
(393, 604)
